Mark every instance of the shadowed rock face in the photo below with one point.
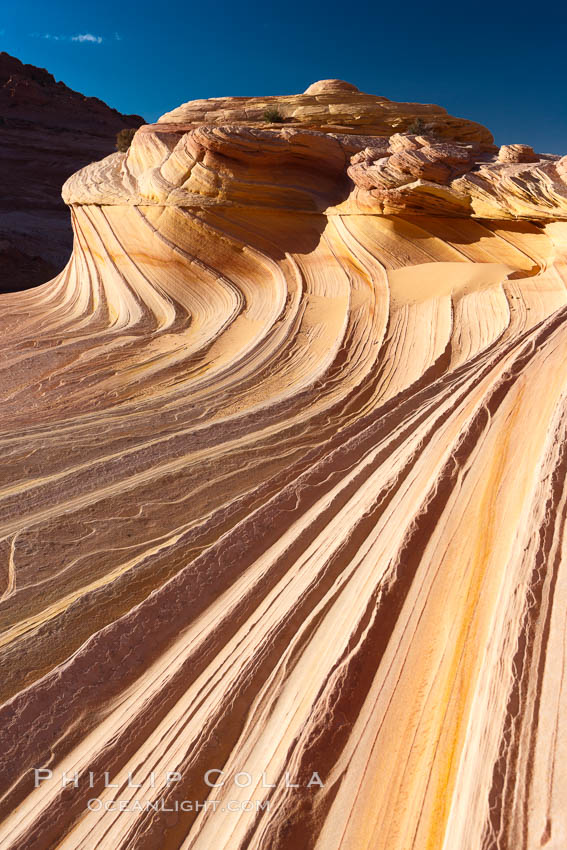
(283, 456)
(47, 132)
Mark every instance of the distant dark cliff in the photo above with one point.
(47, 132)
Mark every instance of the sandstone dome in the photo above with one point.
(331, 86)
(328, 106)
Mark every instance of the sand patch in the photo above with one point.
(433, 280)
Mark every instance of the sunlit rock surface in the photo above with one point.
(283, 489)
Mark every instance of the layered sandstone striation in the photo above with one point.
(47, 132)
(423, 174)
(329, 105)
(283, 464)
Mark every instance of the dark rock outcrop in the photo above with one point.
(47, 132)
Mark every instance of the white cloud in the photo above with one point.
(117, 36)
(47, 35)
(82, 38)
(87, 37)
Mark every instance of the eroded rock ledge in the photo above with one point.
(332, 149)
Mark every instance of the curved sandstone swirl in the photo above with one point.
(283, 491)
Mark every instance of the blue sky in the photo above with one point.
(493, 63)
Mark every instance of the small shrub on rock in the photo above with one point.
(124, 139)
(273, 116)
(417, 127)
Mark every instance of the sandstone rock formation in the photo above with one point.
(329, 105)
(47, 132)
(423, 174)
(283, 454)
